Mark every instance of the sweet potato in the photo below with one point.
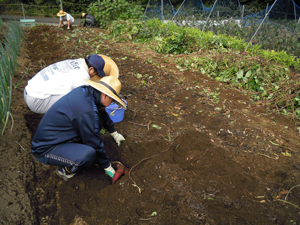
(118, 173)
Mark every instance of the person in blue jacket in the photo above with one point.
(68, 134)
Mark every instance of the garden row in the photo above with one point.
(10, 38)
(271, 77)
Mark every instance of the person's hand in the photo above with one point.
(118, 137)
(110, 171)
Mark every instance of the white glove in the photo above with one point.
(118, 137)
(110, 171)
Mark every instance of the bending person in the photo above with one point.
(58, 79)
(89, 20)
(65, 19)
(68, 135)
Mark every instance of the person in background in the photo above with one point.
(58, 79)
(65, 19)
(68, 135)
(89, 21)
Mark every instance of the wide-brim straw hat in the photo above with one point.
(61, 13)
(83, 15)
(110, 67)
(110, 86)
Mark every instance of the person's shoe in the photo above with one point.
(68, 28)
(63, 173)
(110, 171)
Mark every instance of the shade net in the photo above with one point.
(191, 13)
(162, 10)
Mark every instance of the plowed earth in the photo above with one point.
(200, 151)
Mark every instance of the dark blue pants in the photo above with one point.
(75, 156)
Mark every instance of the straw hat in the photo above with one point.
(61, 13)
(110, 86)
(110, 67)
(83, 15)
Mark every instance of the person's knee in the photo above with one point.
(89, 157)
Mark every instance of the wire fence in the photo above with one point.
(277, 27)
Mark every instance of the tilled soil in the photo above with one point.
(200, 151)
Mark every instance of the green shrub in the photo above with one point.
(106, 11)
(126, 30)
(178, 43)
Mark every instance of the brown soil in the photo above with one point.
(215, 160)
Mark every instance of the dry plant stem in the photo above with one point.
(117, 162)
(290, 191)
(175, 90)
(20, 146)
(276, 158)
(146, 219)
(142, 125)
(202, 155)
(287, 203)
(6, 121)
(287, 97)
(134, 183)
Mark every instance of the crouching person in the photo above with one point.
(68, 134)
(89, 20)
(65, 19)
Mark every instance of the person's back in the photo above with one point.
(58, 79)
(68, 135)
(53, 82)
(90, 21)
(61, 122)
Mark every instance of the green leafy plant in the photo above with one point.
(107, 11)
(9, 53)
(20, 81)
(177, 43)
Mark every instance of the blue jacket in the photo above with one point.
(77, 117)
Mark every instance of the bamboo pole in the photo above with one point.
(23, 10)
(295, 14)
(243, 10)
(162, 10)
(207, 19)
(175, 14)
(261, 24)
(146, 9)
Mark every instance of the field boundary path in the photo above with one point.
(38, 20)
